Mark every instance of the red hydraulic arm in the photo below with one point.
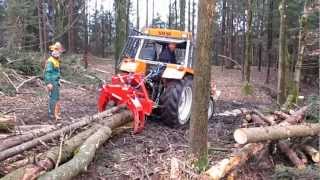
(130, 90)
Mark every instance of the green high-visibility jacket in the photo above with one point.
(52, 71)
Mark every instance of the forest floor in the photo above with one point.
(147, 155)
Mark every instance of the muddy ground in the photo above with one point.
(146, 155)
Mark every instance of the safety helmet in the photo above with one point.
(57, 47)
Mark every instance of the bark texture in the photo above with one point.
(284, 147)
(312, 152)
(282, 79)
(10, 142)
(182, 14)
(248, 48)
(259, 134)
(225, 166)
(302, 41)
(201, 83)
(49, 159)
(82, 122)
(81, 159)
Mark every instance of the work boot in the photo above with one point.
(57, 111)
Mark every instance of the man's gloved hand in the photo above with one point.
(49, 87)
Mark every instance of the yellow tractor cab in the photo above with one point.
(164, 57)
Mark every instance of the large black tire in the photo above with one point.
(170, 99)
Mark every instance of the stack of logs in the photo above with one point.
(71, 156)
(259, 132)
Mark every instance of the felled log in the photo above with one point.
(312, 152)
(53, 153)
(296, 117)
(17, 164)
(81, 159)
(7, 123)
(257, 120)
(82, 122)
(284, 147)
(259, 134)
(225, 166)
(26, 128)
(48, 161)
(268, 119)
(281, 114)
(12, 141)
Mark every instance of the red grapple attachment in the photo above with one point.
(130, 90)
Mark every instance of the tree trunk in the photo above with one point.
(39, 6)
(225, 166)
(312, 152)
(284, 147)
(182, 14)
(170, 15)
(86, 33)
(282, 79)
(152, 12)
(128, 18)
(45, 31)
(81, 159)
(147, 13)
(50, 158)
(138, 17)
(302, 38)
(248, 51)
(201, 83)
(189, 15)
(70, 25)
(261, 34)
(176, 13)
(223, 32)
(193, 16)
(259, 134)
(269, 39)
(120, 6)
(82, 122)
(13, 141)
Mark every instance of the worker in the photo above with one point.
(52, 80)
(167, 54)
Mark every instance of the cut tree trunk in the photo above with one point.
(225, 166)
(258, 120)
(26, 128)
(312, 152)
(296, 117)
(10, 142)
(281, 114)
(268, 119)
(82, 122)
(81, 159)
(7, 123)
(48, 161)
(284, 147)
(259, 134)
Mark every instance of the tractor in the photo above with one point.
(149, 87)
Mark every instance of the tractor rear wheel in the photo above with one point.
(176, 102)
